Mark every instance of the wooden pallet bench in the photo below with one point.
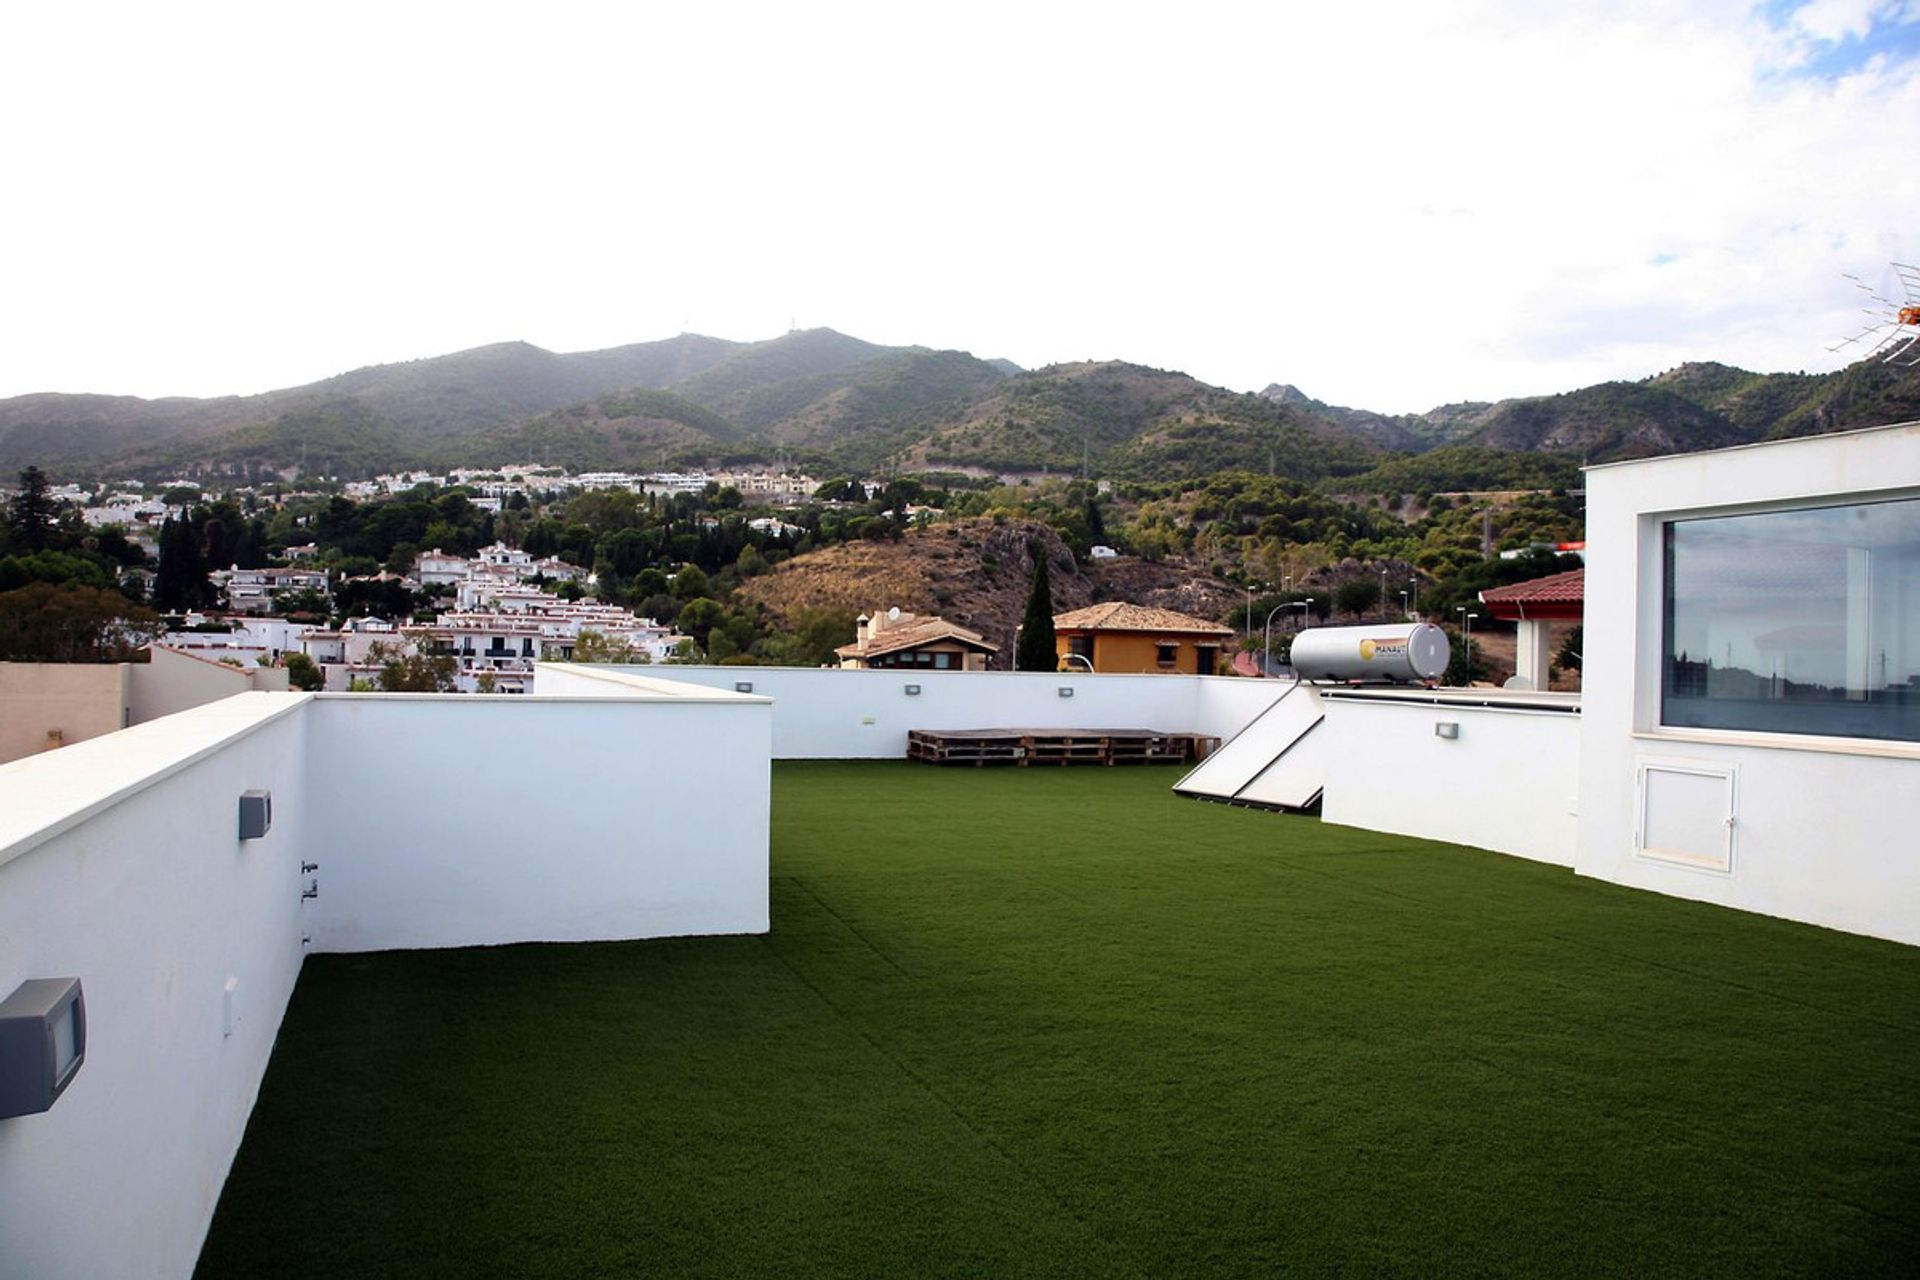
(982, 746)
(1054, 746)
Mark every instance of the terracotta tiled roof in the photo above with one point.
(1119, 616)
(910, 632)
(1558, 595)
(1558, 588)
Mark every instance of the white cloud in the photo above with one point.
(1392, 206)
(1841, 19)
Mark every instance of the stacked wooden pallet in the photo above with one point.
(972, 746)
(1051, 746)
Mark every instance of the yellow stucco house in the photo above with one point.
(1133, 638)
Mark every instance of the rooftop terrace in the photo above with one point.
(1062, 1023)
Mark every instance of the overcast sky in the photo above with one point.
(1391, 206)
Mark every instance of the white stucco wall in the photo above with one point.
(120, 864)
(844, 714)
(170, 682)
(435, 821)
(1509, 781)
(1223, 706)
(1822, 827)
(467, 821)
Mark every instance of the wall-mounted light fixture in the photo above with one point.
(743, 686)
(1448, 729)
(43, 1041)
(256, 814)
(913, 691)
(1066, 691)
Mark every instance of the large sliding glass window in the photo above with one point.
(1795, 622)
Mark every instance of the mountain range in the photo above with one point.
(837, 405)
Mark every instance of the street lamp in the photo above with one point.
(1250, 587)
(1413, 580)
(1405, 612)
(1383, 593)
(1466, 637)
(1267, 650)
(1079, 657)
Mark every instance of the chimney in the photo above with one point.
(860, 629)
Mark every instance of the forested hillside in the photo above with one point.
(832, 403)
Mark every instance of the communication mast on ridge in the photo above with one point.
(1895, 327)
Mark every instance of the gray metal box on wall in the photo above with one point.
(43, 1041)
(256, 814)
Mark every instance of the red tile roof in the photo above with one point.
(1558, 595)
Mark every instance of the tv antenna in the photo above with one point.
(1895, 326)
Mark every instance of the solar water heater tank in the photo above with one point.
(1399, 653)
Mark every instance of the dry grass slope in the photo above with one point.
(976, 573)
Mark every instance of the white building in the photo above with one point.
(126, 509)
(767, 483)
(671, 482)
(500, 647)
(774, 528)
(493, 594)
(607, 480)
(500, 556)
(257, 642)
(554, 569)
(1751, 722)
(251, 590)
(346, 655)
(437, 568)
(513, 628)
(499, 564)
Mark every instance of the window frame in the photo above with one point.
(1650, 633)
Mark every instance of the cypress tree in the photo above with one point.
(1036, 651)
(1096, 526)
(33, 513)
(180, 582)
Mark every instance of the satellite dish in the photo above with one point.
(893, 614)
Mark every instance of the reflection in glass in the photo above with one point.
(1795, 622)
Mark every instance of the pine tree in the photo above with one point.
(1037, 651)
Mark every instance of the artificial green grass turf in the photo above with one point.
(1061, 1023)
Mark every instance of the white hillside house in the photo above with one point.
(346, 655)
(498, 563)
(252, 590)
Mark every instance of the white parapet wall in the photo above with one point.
(844, 714)
(121, 865)
(422, 821)
(1505, 777)
(516, 819)
(172, 680)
